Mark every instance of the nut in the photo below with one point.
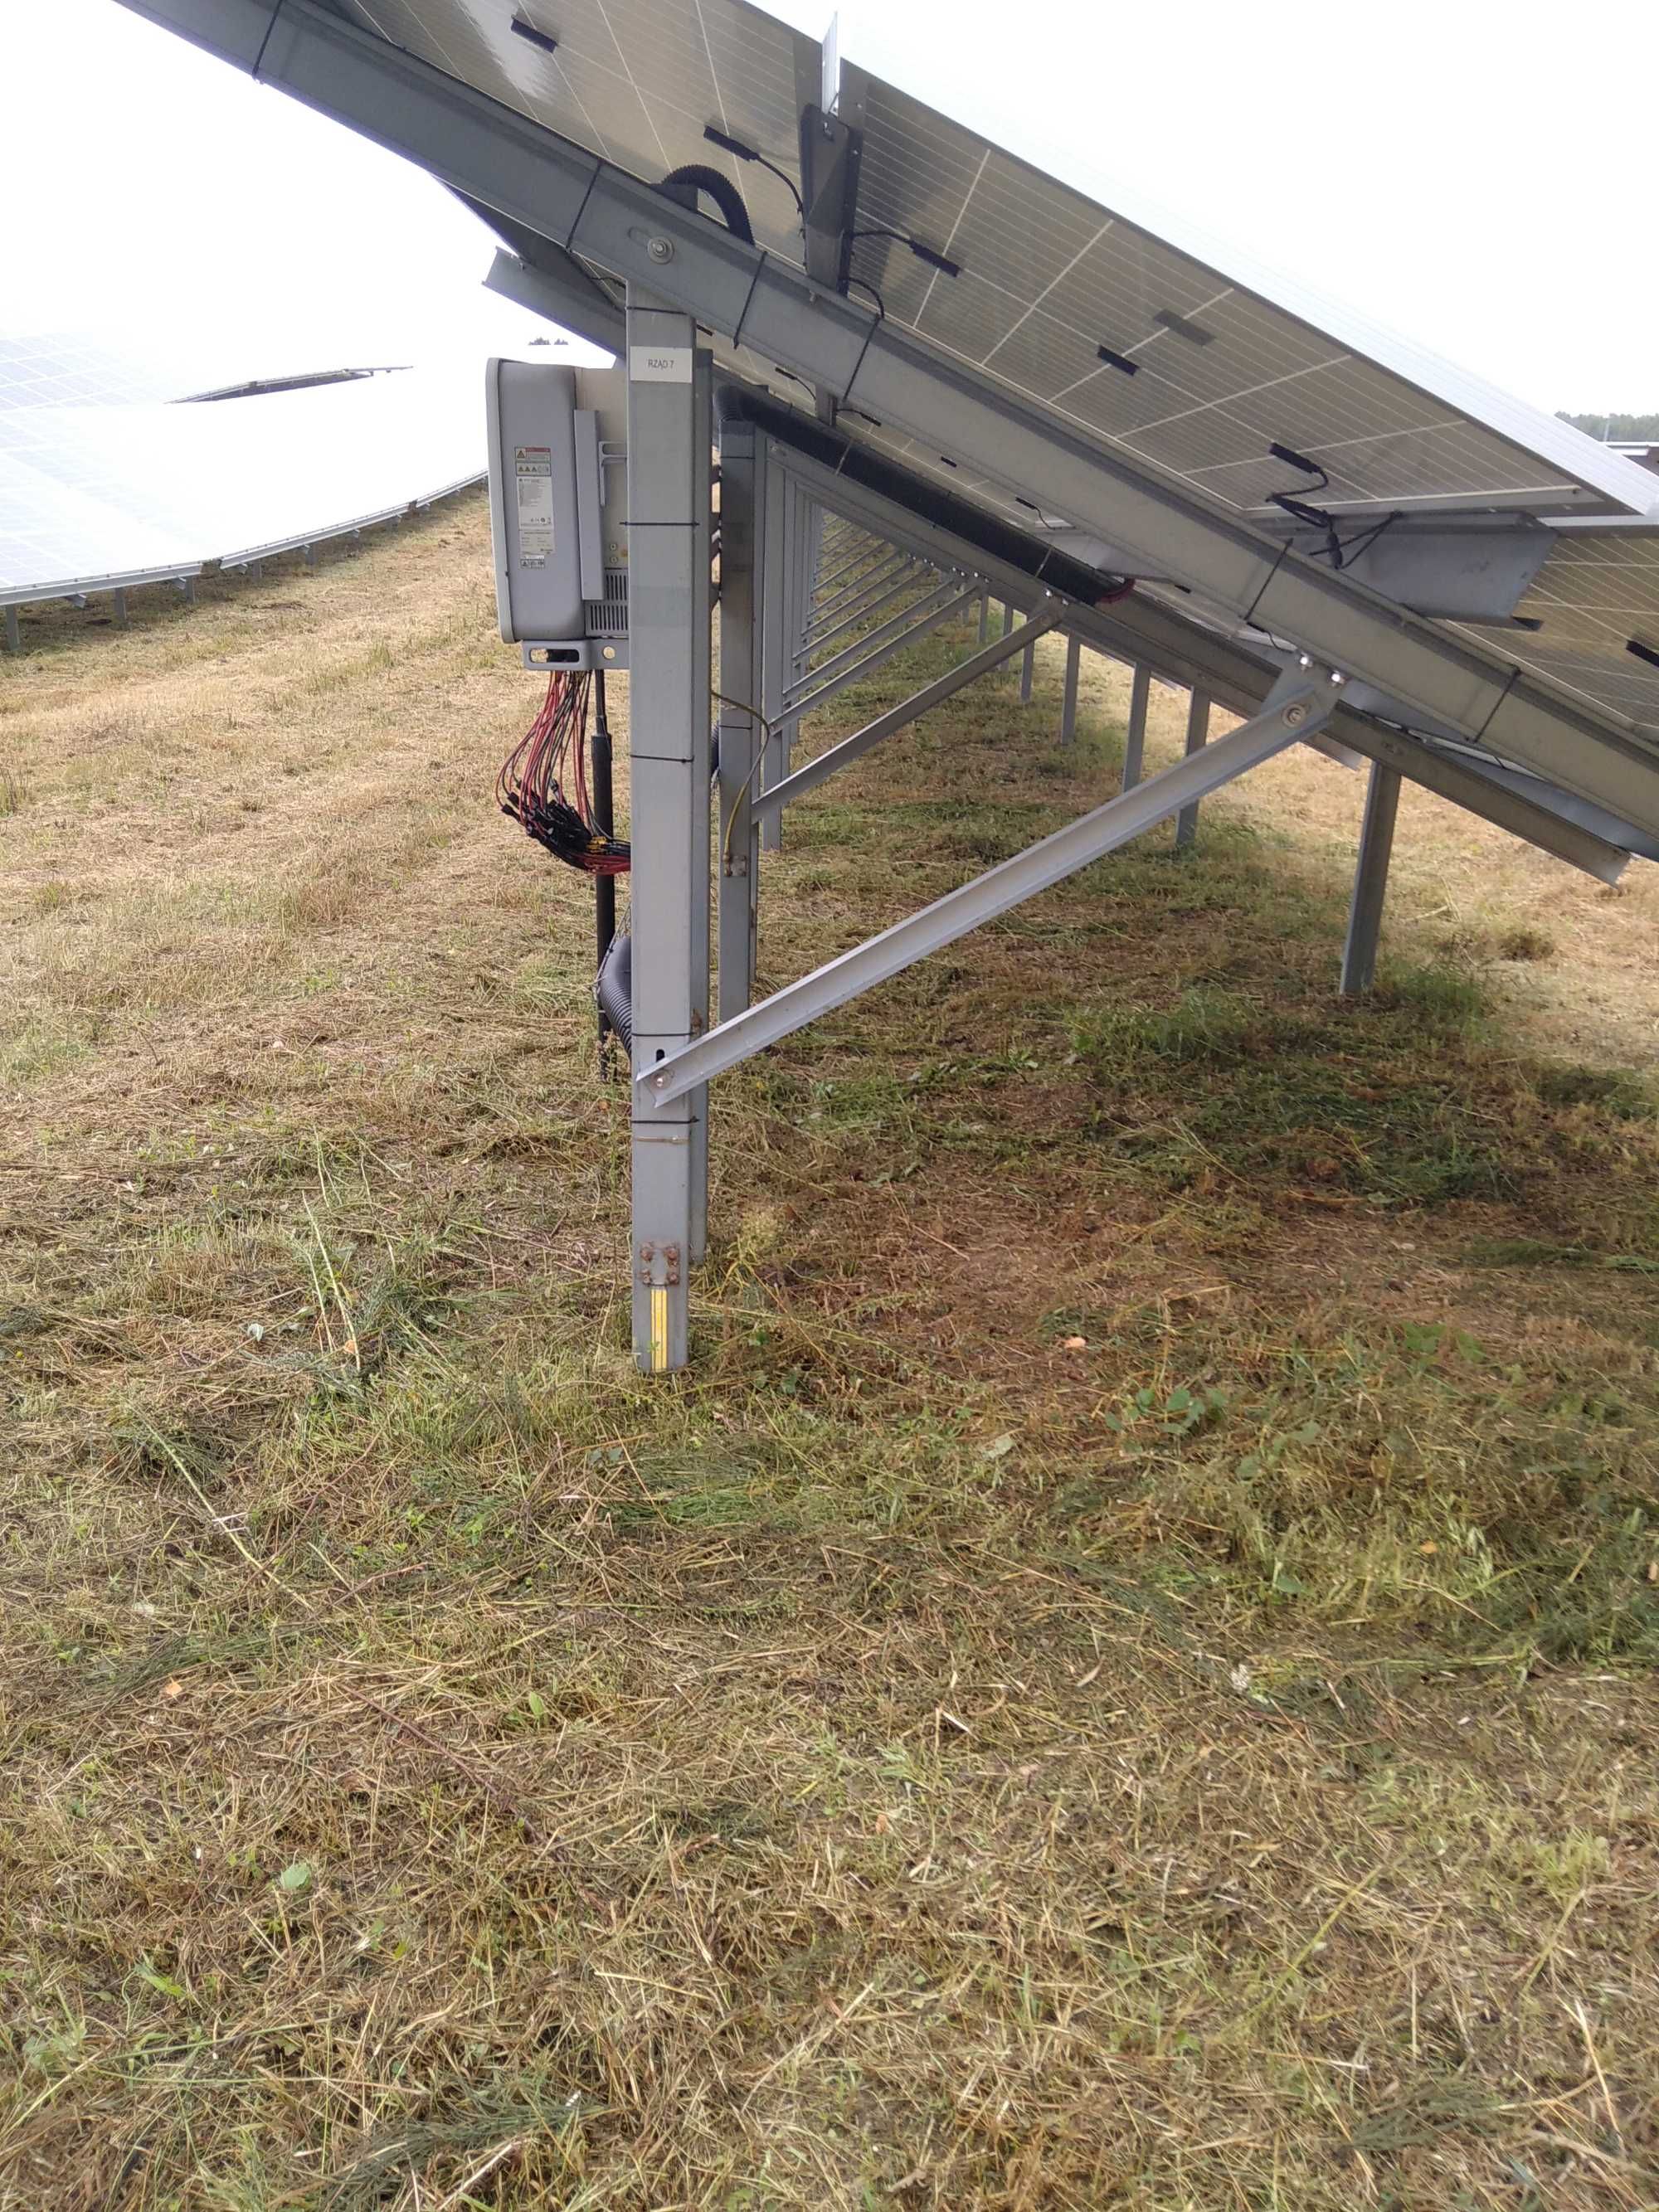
(659, 249)
(1295, 715)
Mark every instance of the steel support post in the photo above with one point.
(1007, 617)
(1371, 880)
(908, 710)
(1295, 708)
(795, 601)
(14, 634)
(1198, 735)
(1027, 674)
(118, 602)
(1134, 736)
(1069, 702)
(737, 844)
(985, 620)
(670, 428)
(773, 630)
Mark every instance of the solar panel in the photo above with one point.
(94, 496)
(636, 82)
(1596, 598)
(1075, 306)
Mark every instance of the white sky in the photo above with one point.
(1478, 175)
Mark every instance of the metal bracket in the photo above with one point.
(829, 189)
(1300, 703)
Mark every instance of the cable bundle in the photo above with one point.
(532, 784)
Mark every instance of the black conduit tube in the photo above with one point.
(832, 449)
(614, 990)
(683, 185)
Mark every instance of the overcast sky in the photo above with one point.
(1478, 175)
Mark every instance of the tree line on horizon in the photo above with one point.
(1614, 429)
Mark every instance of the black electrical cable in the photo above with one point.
(532, 788)
(942, 262)
(865, 285)
(745, 152)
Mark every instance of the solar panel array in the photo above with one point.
(1074, 306)
(68, 369)
(91, 497)
(1089, 311)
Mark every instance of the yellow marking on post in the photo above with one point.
(659, 1329)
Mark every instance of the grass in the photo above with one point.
(1124, 1676)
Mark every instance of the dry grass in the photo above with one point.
(1123, 1677)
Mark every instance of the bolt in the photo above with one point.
(659, 249)
(659, 1083)
(1294, 716)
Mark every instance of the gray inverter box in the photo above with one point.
(557, 509)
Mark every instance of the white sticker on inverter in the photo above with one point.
(660, 364)
(534, 468)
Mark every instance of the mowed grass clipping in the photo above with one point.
(1123, 1675)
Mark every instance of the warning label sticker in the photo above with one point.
(534, 468)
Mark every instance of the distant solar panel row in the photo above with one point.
(94, 497)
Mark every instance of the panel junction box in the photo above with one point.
(558, 511)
